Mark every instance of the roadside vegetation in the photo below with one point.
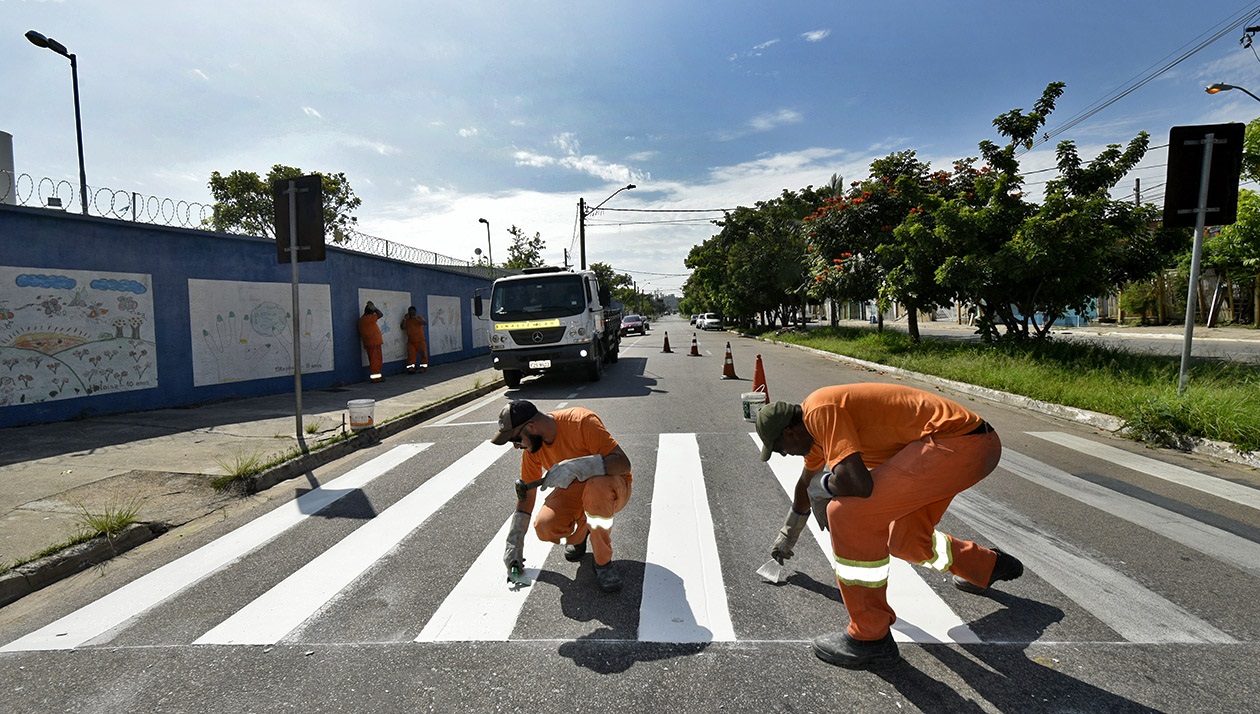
(1222, 402)
(91, 524)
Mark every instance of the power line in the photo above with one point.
(1224, 26)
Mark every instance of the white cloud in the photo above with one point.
(571, 158)
(310, 112)
(815, 35)
(469, 132)
(765, 45)
(763, 123)
(200, 74)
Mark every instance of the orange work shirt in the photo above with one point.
(414, 325)
(579, 432)
(877, 420)
(370, 331)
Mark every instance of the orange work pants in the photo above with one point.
(374, 361)
(584, 508)
(912, 491)
(417, 348)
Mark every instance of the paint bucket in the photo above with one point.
(361, 413)
(752, 402)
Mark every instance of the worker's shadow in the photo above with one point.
(1004, 675)
(666, 630)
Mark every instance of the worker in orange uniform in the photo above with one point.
(413, 326)
(370, 333)
(882, 463)
(570, 451)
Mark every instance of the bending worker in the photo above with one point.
(882, 463)
(570, 451)
(413, 327)
(370, 332)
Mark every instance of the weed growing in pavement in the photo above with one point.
(1222, 402)
(313, 426)
(109, 522)
(241, 465)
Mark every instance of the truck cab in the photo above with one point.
(550, 319)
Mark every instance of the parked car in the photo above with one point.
(709, 321)
(694, 318)
(633, 323)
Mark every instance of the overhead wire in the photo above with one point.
(1220, 30)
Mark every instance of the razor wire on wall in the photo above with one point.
(61, 195)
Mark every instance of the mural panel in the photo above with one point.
(243, 330)
(446, 332)
(74, 333)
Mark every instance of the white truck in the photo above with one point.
(551, 319)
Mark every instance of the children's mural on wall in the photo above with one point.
(446, 331)
(394, 304)
(243, 330)
(74, 333)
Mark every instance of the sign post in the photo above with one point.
(299, 237)
(1187, 201)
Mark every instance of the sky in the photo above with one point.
(440, 114)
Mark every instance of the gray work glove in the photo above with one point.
(566, 472)
(514, 553)
(819, 497)
(786, 541)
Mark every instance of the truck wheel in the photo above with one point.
(512, 377)
(595, 369)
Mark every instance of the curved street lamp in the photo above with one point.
(1222, 87)
(583, 212)
(40, 40)
(489, 247)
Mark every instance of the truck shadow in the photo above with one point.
(626, 378)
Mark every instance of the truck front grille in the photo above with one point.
(540, 336)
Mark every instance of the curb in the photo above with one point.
(38, 574)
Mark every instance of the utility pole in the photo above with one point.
(582, 229)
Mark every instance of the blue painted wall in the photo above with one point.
(49, 241)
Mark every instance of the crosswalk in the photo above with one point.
(685, 593)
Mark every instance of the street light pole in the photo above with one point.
(489, 247)
(1222, 87)
(40, 40)
(583, 213)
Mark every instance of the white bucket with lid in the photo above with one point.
(361, 413)
(751, 403)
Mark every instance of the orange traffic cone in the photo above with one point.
(667, 349)
(759, 380)
(728, 369)
(695, 349)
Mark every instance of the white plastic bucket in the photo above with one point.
(751, 403)
(361, 413)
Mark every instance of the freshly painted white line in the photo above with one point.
(483, 607)
(1228, 490)
(1138, 614)
(125, 603)
(444, 421)
(922, 616)
(286, 606)
(1213, 542)
(684, 595)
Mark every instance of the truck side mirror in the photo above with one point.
(605, 298)
(477, 306)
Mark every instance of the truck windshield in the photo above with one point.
(539, 297)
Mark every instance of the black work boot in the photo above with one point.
(842, 650)
(574, 552)
(609, 580)
(1007, 567)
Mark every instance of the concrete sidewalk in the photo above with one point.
(163, 462)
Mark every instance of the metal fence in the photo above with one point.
(62, 195)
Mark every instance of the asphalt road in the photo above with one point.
(375, 584)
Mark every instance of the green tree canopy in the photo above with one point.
(525, 252)
(243, 202)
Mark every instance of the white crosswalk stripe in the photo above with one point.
(282, 609)
(684, 597)
(118, 607)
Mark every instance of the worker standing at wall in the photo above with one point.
(370, 333)
(417, 346)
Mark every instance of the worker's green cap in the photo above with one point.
(772, 419)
